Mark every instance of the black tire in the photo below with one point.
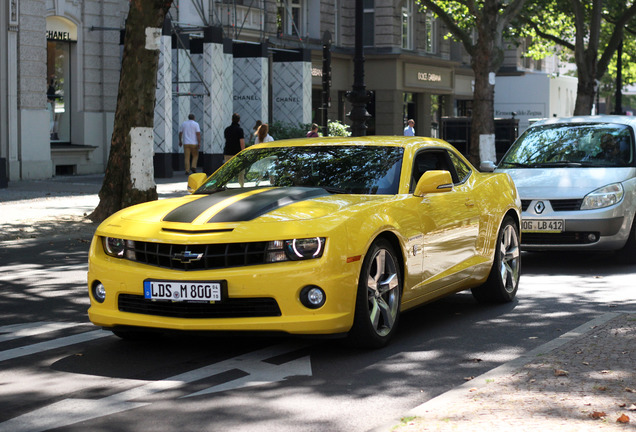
(377, 310)
(503, 280)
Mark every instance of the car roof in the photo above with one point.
(376, 141)
(616, 119)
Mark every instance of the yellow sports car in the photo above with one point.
(330, 236)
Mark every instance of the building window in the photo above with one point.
(368, 22)
(290, 17)
(430, 32)
(407, 24)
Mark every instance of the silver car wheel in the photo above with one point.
(510, 258)
(383, 292)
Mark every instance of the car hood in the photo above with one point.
(239, 206)
(564, 183)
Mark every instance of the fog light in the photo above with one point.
(312, 297)
(99, 292)
(591, 237)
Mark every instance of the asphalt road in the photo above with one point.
(57, 371)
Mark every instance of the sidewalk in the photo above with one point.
(37, 208)
(583, 381)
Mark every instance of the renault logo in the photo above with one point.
(539, 207)
(187, 257)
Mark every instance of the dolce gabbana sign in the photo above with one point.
(422, 76)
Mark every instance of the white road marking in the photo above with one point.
(16, 331)
(71, 411)
(52, 344)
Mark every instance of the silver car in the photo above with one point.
(577, 180)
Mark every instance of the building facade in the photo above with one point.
(262, 58)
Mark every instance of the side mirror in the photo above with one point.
(195, 181)
(434, 181)
(487, 166)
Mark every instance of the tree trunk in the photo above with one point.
(485, 61)
(132, 144)
(585, 93)
(483, 121)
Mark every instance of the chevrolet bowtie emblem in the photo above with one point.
(187, 257)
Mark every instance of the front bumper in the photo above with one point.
(603, 229)
(279, 283)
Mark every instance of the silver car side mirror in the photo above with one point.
(487, 166)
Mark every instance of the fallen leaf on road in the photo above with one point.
(623, 419)
(560, 372)
(598, 415)
(601, 388)
(586, 363)
(630, 390)
(632, 407)
(468, 378)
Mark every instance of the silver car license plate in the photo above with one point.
(542, 225)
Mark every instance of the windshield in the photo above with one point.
(338, 169)
(572, 145)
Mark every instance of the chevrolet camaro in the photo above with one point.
(325, 236)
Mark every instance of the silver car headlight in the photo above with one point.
(603, 197)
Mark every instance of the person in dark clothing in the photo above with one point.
(234, 138)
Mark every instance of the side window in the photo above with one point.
(428, 160)
(463, 171)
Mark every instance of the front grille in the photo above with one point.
(525, 204)
(557, 205)
(228, 308)
(566, 204)
(564, 238)
(212, 256)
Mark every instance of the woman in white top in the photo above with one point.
(262, 134)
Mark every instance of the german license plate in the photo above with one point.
(544, 226)
(182, 291)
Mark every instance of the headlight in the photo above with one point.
(295, 249)
(603, 197)
(119, 248)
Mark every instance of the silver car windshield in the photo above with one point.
(572, 145)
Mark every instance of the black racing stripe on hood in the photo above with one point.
(257, 205)
(187, 213)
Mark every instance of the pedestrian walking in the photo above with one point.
(234, 138)
(190, 139)
(409, 130)
(262, 134)
(313, 133)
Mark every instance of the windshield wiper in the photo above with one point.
(516, 165)
(569, 164)
(213, 190)
(334, 190)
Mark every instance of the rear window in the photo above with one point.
(572, 145)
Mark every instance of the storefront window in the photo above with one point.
(408, 107)
(58, 102)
